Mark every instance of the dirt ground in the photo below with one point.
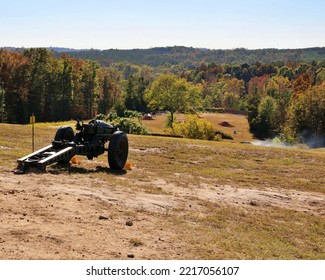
(80, 215)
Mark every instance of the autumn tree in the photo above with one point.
(302, 83)
(14, 86)
(173, 94)
(234, 90)
(307, 115)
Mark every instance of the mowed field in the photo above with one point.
(234, 125)
(183, 199)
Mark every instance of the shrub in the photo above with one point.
(195, 128)
(128, 124)
(220, 134)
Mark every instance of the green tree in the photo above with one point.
(265, 122)
(135, 93)
(214, 94)
(302, 69)
(78, 108)
(38, 80)
(256, 91)
(141, 92)
(286, 72)
(320, 76)
(89, 87)
(65, 86)
(278, 88)
(173, 94)
(52, 110)
(104, 101)
(110, 89)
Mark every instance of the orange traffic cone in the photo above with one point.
(74, 160)
(128, 166)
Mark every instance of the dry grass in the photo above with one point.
(231, 163)
(238, 125)
(181, 171)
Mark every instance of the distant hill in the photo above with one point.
(60, 50)
(54, 49)
(191, 57)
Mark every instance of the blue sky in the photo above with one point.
(127, 24)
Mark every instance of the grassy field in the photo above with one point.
(235, 125)
(219, 200)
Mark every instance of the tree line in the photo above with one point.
(191, 57)
(280, 98)
(54, 89)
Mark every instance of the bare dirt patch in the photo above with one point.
(50, 216)
(54, 215)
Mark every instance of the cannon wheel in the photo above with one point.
(118, 150)
(64, 133)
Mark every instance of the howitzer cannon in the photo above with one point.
(89, 141)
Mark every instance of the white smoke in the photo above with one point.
(276, 142)
(306, 139)
(311, 139)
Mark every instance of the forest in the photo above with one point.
(283, 95)
(191, 57)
